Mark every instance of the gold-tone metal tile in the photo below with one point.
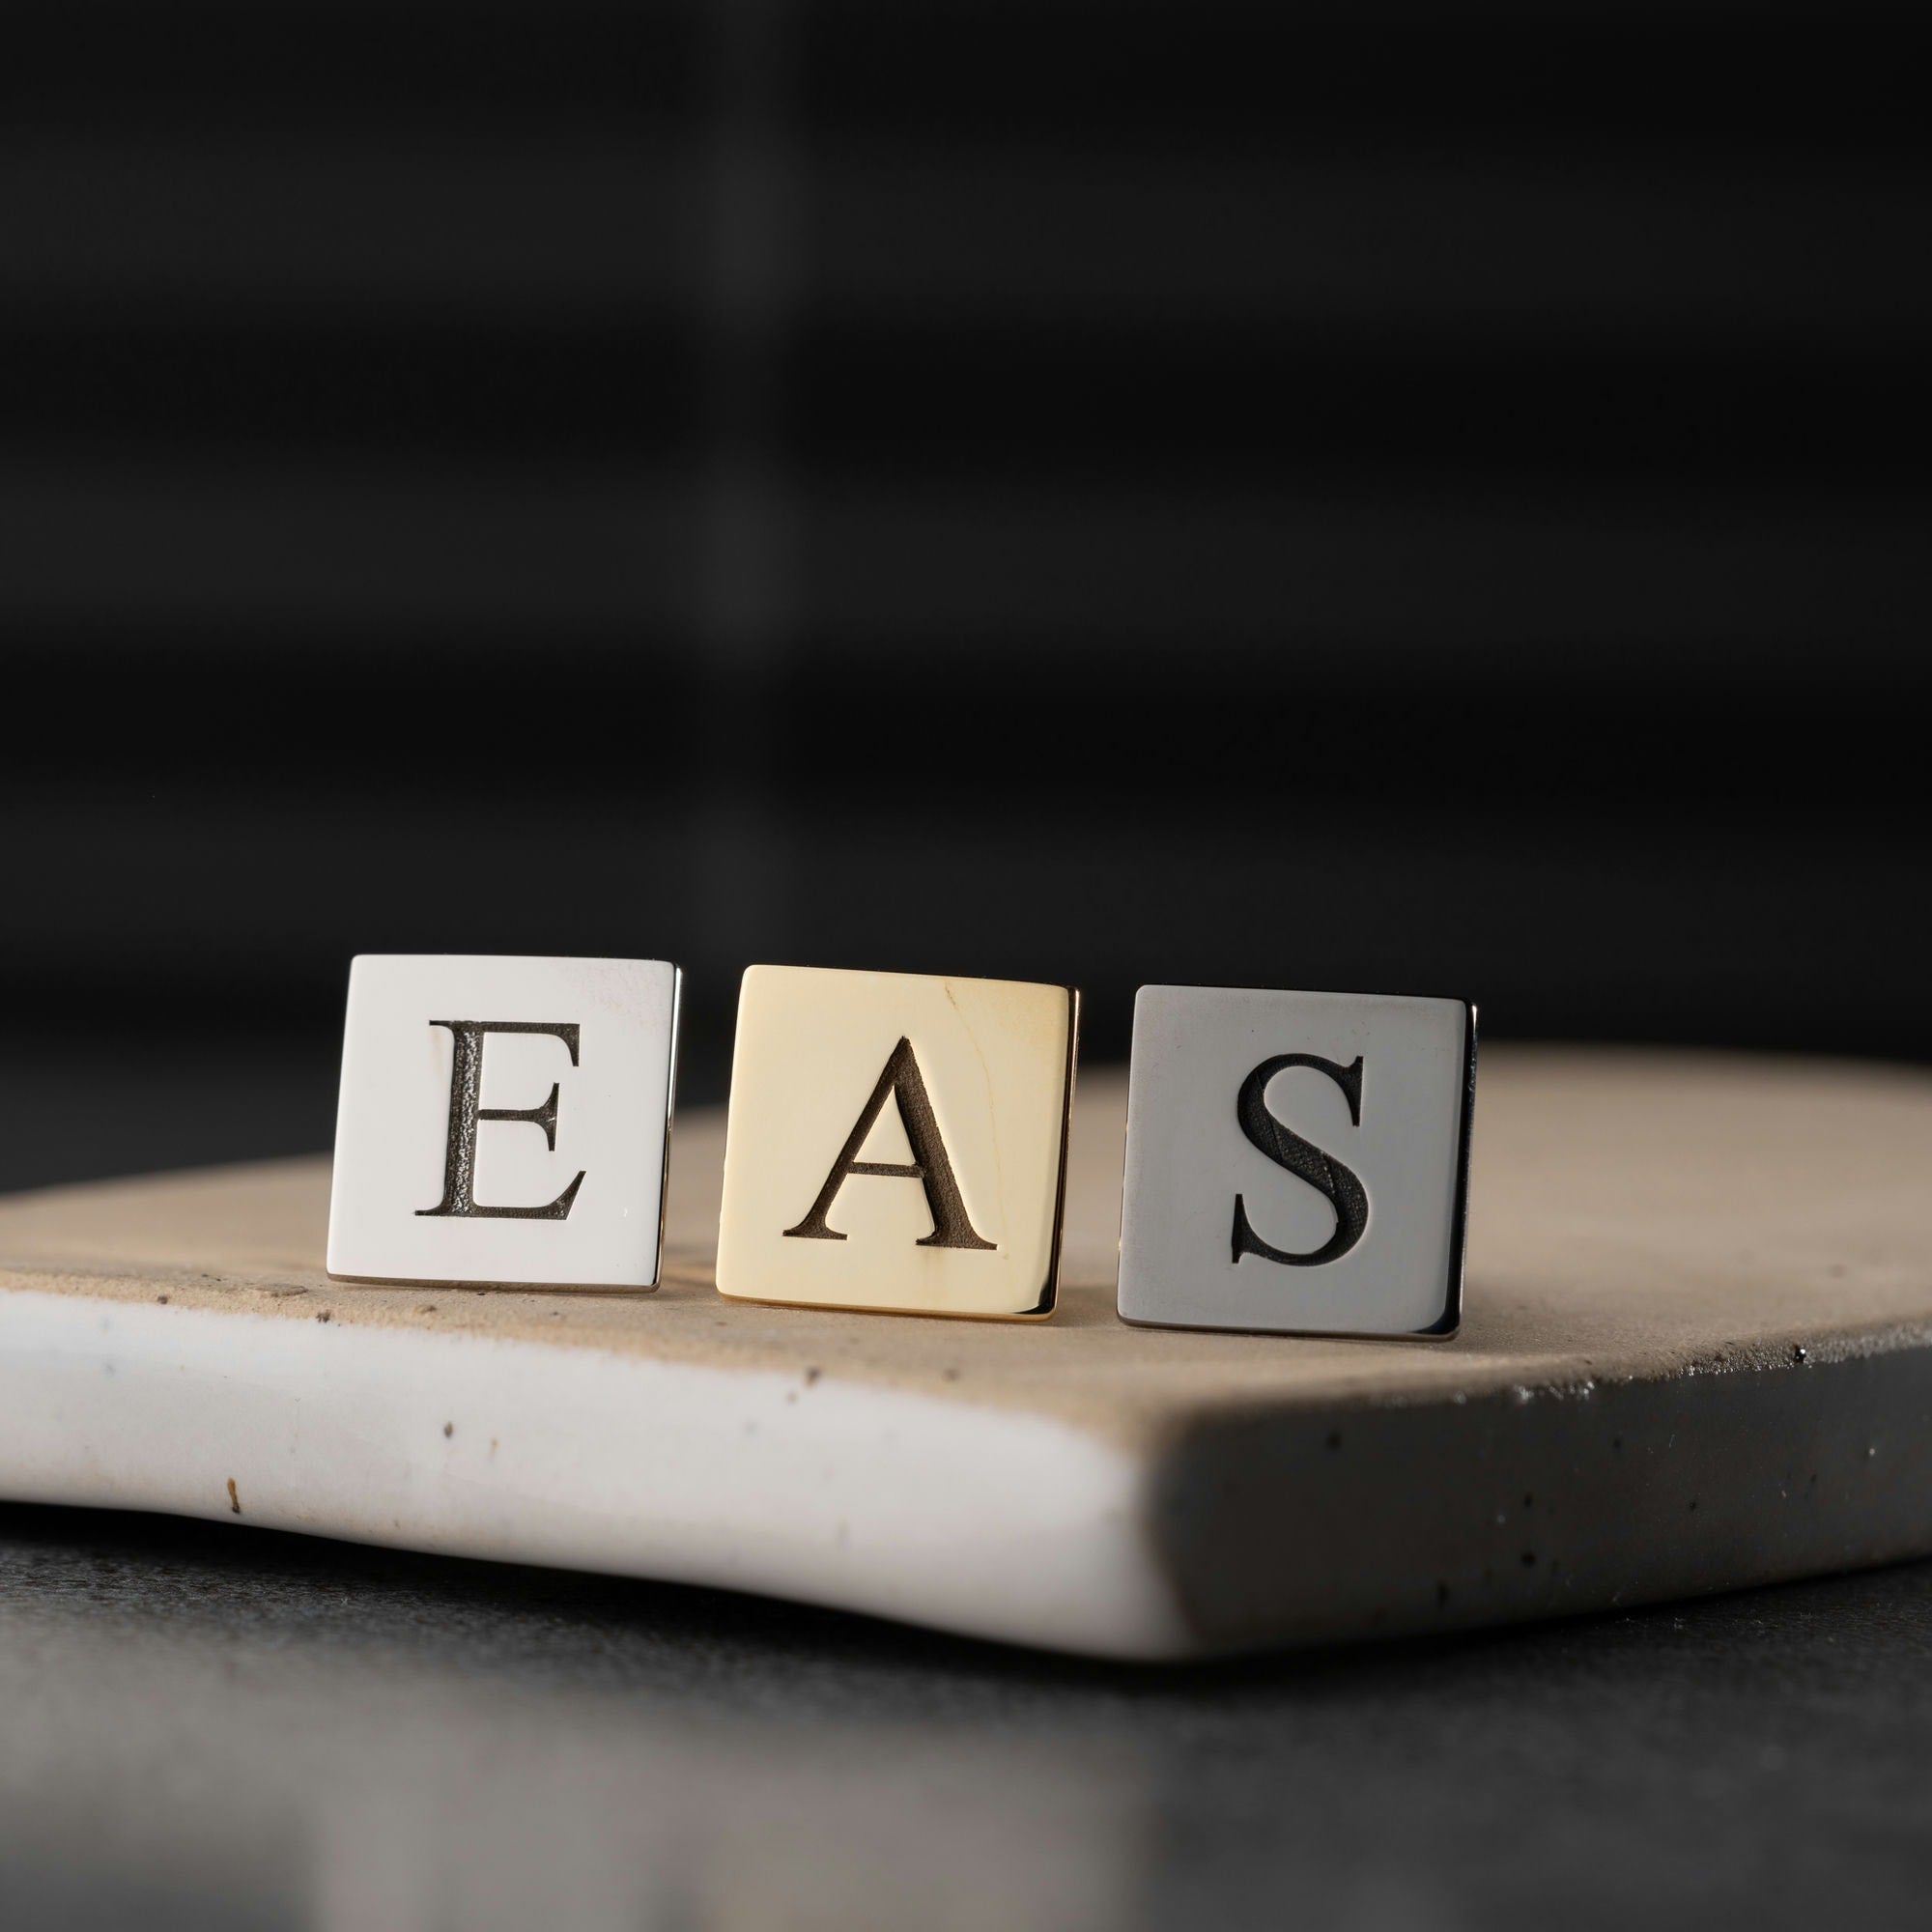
(897, 1142)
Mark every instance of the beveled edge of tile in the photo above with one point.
(895, 973)
(474, 1286)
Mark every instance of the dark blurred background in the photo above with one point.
(1377, 497)
(1337, 497)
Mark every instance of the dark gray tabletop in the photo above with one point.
(216, 1727)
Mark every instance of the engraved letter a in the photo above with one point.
(951, 1227)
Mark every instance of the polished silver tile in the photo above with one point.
(503, 1120)
(1296, 1162)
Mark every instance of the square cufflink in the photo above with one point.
(897, 1142)
(1296, 1162)
(503, 1120)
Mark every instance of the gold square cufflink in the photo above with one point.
(897, 1142)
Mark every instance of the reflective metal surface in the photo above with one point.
(1296, 1162)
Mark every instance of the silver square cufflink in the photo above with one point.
(503, 1120)
(1296, 1163)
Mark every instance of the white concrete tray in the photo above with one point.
(1697, 1354)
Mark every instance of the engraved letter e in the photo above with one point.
(466, 1087)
